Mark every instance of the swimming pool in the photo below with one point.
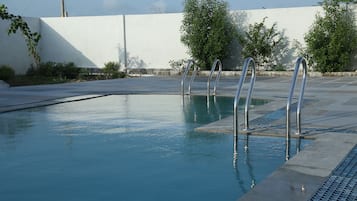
(128, 147)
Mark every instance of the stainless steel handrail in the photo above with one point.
(194, 73)
(247, 62)
(214, 66)
(299, 61)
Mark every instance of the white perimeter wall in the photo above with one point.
(152, 40)
(13, 49)
(86, 41)
(295, 22)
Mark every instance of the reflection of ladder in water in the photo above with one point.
(247, 63)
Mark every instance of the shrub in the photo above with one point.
(265, 45)
(278, 67)
(57, 70)
(111, 70)
(111, 66)
(207, 30)
(46, 69)
(68, 70)
(43, 69)
(302, 51)
(178, 65)
(6, 73)
(332, 40)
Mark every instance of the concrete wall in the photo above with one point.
(152, 40)
(86, 41)
(13, 49)
(295, 22)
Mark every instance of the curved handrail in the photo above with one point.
(194, 73)
(214, 66)
(247, 62)
(190, 63)
(299, 61)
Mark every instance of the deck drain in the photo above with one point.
(342, 184)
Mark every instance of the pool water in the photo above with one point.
(129, 148)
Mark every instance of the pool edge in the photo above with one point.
(300, 177)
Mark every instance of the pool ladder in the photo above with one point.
(247, 63)
(216, 63)
(300, 61)
(190, 64)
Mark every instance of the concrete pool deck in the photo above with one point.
(328, 116)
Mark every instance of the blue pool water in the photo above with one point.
(128, 148)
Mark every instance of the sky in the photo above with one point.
(51, 8)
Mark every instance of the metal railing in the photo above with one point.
(299, 61)
(190, 64)
(216, 63)
(247, 63)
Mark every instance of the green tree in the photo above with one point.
(265, 45)
(349, 1)
(17, 23)
(207, 30)
(332, 40)
(343, 1)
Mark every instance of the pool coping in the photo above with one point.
(49, 102)
(300, 177)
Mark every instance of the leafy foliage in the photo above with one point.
(207, 30)
(344, 1)
(17, 23)
(265, 45)
(332, 40)
(302, 51)
(178, 65)
(53, 73)
(6, 73)
(111, 70)
(55, 70)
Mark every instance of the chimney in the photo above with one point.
(63, 10)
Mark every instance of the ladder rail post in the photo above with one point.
(298, 63)
(218, 77)
(190, 63)
(248, 99)
(210, 77)
(214, 66)
(194, 73)
(301, 97)
(247, 62)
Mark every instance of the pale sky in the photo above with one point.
(51, 8)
